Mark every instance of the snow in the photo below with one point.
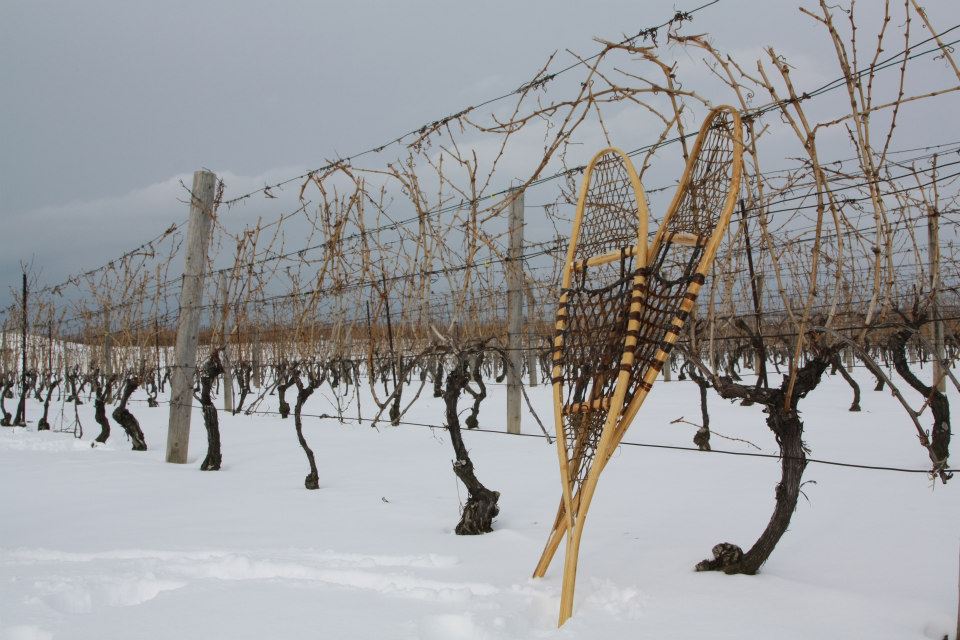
(103, 542)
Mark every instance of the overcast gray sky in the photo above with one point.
(106, 105)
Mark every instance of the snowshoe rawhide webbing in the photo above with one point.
(622, 308)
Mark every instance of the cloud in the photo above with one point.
(75, 236)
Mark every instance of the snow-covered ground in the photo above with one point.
(109, 543)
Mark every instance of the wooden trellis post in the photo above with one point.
(256, 358)
(188, 325)
(20, 420)
(50, 346)
(156, 346)
(106, 359)
(4, 351)
(515, 314)
(933, 230)
(224, 287)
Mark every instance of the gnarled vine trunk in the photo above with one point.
(481, 507)
(702, 437)
(5, 418)
(312, 481)
(152, 390)
(100, 406)
(838, 365)
(938, 446)
(43, 424)
(243, 372)
(284, 382)
(212, 368)
(126, 419)
(304, 391)
(784, 420)
(479, 395)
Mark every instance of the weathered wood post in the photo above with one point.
(4, 350)
(156, 349)
(515, 313)
(224, 287)
(20, 420)
(256, 358)
(933, 230)
(106, 355)
(64, 358)
(50, 347)
(759, 354)
(188, 324)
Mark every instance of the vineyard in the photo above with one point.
(414, 286)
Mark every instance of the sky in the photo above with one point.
(106, 106)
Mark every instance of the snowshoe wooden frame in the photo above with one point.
(711, 180)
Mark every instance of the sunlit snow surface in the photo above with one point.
(109, 543)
